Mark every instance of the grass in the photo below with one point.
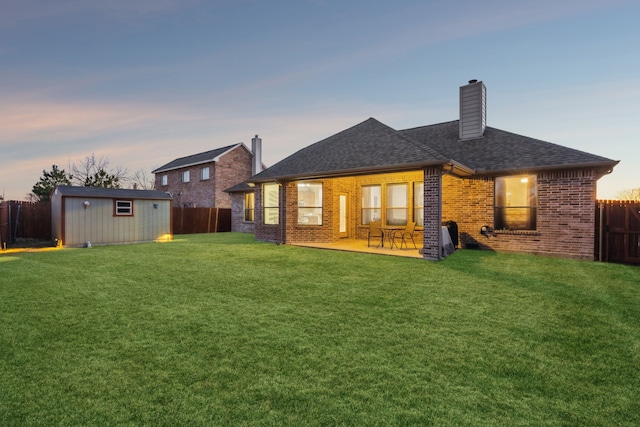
(221, 330)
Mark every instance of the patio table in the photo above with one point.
(389, 231)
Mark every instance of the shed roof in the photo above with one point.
(196, 159)
(99, 192)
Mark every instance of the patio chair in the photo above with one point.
(375, 232)
(405, 235)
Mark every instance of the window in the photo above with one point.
(186, 176)
(249, 206)
(418, 203)
(123, 207)
(204, 173)
(271, 203)
(164, 180)
(516, 200)
(397, 204)
(370, 203)
(309, 203)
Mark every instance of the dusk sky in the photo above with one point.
(143, 82)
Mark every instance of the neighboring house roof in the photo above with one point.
(372, 146)
(99, 192)
(197, 159)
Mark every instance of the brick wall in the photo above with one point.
(311, 233)
(264, 232)
(237, 215)
(565, 214)
(231, 169)
(432, 215)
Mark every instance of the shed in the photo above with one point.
(82, 216)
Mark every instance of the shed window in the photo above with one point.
(516, 201)
(123, 207)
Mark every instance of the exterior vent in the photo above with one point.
(473, 110)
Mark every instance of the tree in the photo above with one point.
(626, 194)
(94, 172)
(48, 181)
(102, 178)
(143, 181)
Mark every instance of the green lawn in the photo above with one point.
(221, 330)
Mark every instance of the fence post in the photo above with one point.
(601, 231)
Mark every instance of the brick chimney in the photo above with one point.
(256, 149)
(473, 110)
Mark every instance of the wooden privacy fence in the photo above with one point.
(24, 220)
(618, 231)
(201, 220)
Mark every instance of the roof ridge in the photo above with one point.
(227, 147)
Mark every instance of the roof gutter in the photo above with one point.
(605, 168)
(187, 165)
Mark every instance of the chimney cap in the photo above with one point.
(473, 81)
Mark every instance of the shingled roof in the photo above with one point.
(368, 146)
(373, 147)
(502, 151)
(196, 159)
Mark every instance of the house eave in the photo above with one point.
(603, 168)
(352, 172)
(202, 162)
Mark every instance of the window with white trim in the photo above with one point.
(123, 207)
(271, 203)
(186, 176)
(204, 173)
(309, 203)
(371, 202)
(164, 180)
(397, 204)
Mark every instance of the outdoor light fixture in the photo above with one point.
(86, 204)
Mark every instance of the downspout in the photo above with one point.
(440, 257)
(283, 212)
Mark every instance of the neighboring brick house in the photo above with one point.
(504, 191)
(200, 180)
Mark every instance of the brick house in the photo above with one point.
(200, 180)
(505, 192)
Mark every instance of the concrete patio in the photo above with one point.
(356, 245)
